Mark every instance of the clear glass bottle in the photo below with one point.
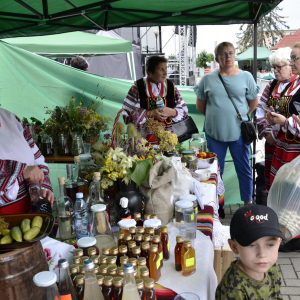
(129, 287)
(65, 286)
(82, 218)
(79, 287)
(154, 263)
(165, 242)
(91, 288)
(156, 241)
(63, 147)
(118, 288)
(46, 147)
(82, 184)
(77, 144)
(198, 142)
(71, 184)
(46, 285)
(65, 212)
(146, 252)
(108, 288)
(138, 219)
(188, 259)
(100, 227)
(150, 289)
(140, 287)
(178, 252)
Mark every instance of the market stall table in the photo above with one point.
(59, 159)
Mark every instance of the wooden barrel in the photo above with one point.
(17, 269)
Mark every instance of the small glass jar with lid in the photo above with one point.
(192, 198)
(86, 243)
(126, 224)
(179, 207)
(198, 142)
(190, 159)
(154, 223)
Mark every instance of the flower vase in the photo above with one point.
(136, 200)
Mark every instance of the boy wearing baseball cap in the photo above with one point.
(255, 237)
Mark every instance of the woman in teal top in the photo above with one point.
(222, 126)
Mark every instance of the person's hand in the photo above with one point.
(33, 174)
(157, 115)
(296, 119)
(48, 196)
(168, 112)
(275, 118)
(269, 138)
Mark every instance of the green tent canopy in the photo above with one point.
(263, 53)
(41, 17)
(71, 43)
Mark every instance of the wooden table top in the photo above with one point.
(59, 159)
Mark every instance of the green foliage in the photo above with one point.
(139, 171)
(172, 56)
(203, 58)
(270, 26)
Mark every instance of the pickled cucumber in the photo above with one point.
(37, 222)
(31, 233)
(25, 225)
(5, 231)
(6, 240)
(16, 234)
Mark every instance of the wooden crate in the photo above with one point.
(222, 260)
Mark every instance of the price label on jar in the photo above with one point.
(158, 264)
(168, 246)
(190, 262)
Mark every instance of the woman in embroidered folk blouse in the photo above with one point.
(21, 164)
(141, 98)
(271, 96)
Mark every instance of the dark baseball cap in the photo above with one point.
(252, 222)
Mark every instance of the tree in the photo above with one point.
(172, 56)
(203, 58)
(270, 26)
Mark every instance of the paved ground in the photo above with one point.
(289, 264)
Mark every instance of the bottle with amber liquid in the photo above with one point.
(136, 252)
(140, 287)
(138, 219)
(165, 242)
(74, 271)
(188, 259)
(127, 238)
(111, 261)
(178, 252)
(121, 240)
(145, 252)
(154, 216)
(144, 273)
(122, 252)
(138, 239)
(141, 264)
(118, 288)
(132, 231)
(156, 241)
(154, 263)
(130, 244)
(107, 289)
(150, 289)
(79, 290)
(150, 231)
(100, 280)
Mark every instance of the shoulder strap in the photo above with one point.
(237, 111)
(141, 87)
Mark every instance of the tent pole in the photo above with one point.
(254, 113)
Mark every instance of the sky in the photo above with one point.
(207, 36)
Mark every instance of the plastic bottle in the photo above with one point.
(160, 102)
(47, 288)
(81, 217)
(65, 286)
(129, 287)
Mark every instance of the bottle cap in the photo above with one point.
(138, 237)
(156, 239)
(184, 204)
(103, 269)
(84, 258)
(45, 278)
(187, 244)
(61, 180)
(164, 229)
(150, 230)
(124, 260)
(69, 169)
(144, 271)
(95, 259)
(141, 261)
(108, 280)
(123, 249)
(132, 230)
(154, 223)
(146, 237)
(79, 195)
(147, 217)
(111, 260)
(79, 279)
(137, 215)
(120, 235)
(81, 269)
(97, 175)
(112, 270)
(127, 237)
(120, 271)
(154, 216)
(126, 224)
(63, 263)
(179, 239)
(76, 260)
(136, 250)
(188, 197)
(153, 248)
(92, 251)
(149, 283)
(86, 241)
(139, 284)
(88, 265)
(131, 244)
(74, 269)
(100, 279)
(97, 269)
(128, 269)
(98, 207)
(145, 245)
(113, 251)
(132, 261)
(105, 251)
(117, 281)
(140, 229)
(124, 202)
(76, 159)
(103, 259)
(79, 252)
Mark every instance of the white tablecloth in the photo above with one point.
(204, 281)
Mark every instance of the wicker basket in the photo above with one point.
(114, 131)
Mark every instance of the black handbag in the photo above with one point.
(247, 127)
(184, 129)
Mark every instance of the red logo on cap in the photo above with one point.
(255, 218)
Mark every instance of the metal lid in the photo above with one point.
(103, 269)
(76, 260)
(179, 239)
(108, 280)
(81, 269)
(88, 265)
(132, 261)
(98, 207)
(154, 216)
(131, 244)
(120, 271)
(136, 250)
(127, 237)
(188, 197)
(128, 269)
(144, 271)
(97, 269)
(112, 270)
(147, 217)
(141, 261)
(153, 248)
(187, 152)
(111, 260)
(123, 249)
(184, 204)
(84, 258)
(164, 229)
(156, 239)
(61, 180)
(103, 259)
(124, 258)
(113, 250)
(44, 279)
(92, 251)
(154, 223)
(125, 224)
(138, 237)
(79, 279)
(187, 244)
(132, 230)
(149, 283)
(95, 259)
(74, 269)
(139, 284)
(86, 242)
(69, 169)
(146, 237)
(150, 230)
(63, 263)
(140, 229)
(85, 156)
(79, 195)
(145, 245)
(79, 252)
(137, 215)
(100, 279)
(105, 251)
(117, 281)
(120, 235)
